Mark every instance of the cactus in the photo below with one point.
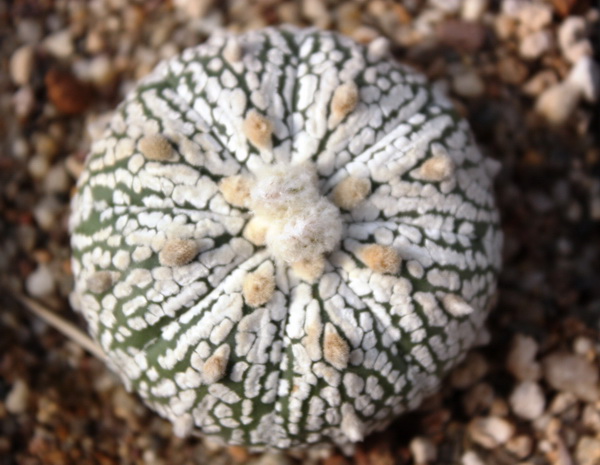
(284, 238)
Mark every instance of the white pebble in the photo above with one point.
(572, 373)
(471, 458)
(527, 400)
(57, 179)
(29, 31)
(447, 6)
(585, 75)
(490, 431)
(60, 44)
(21, 65)
(587, 451)
(38, 166)
(473, 10)
(573, 40)
(535, 16)
(534, 45)
(40, 283)
(16, 400)
(512, 7)
(46, 213)
(521, 359)
(423, 450)
(24, 101)
(558, 102)
(468, 84)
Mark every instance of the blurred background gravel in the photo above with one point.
(525, 73)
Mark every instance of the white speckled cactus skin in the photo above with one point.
(221, 334)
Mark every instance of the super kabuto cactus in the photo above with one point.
(284, 238)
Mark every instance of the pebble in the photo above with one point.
(540, 82)
(40, 283)
(29, 31)
(572, 373)
(478, 399)
(471, 458)
(38, 166)
(273, 458)
(57, 180)
(99, 70)
(562, 402)
(535, 44)
(591, 417)
(317, 12)
(585, 76)
(468, 84)
(239, 454)
(195, 9)
(473, 10)
(24, 101)
(16, 400)
(423, 450)
(584, 346)
(461, 35)
(469, 372)
(46, 213)
(512, 7)
(558, 102)
(60, 44)
(535, 16)
(499, 407)
(564, 7)
(45, 145)
(527, 400)
(68, 94)
(21, 65)
(490, 431)
(521, 359)
(447, 6)
(573, 40)
(512, 70)
(505, 27)
(520, 446)
(587, 451)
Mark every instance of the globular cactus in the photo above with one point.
(284, 238)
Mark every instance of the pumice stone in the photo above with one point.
(284, 238)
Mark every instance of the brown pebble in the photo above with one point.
(68, 94)
(512, 70)
(462, 35)
(239, 454)
(335, 460)
(564, 7)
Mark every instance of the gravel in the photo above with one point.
(572, 373)
(490, 431)
(21, 65)
(526, 76)
(16, 399)
(527, 400)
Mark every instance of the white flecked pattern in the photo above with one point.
(160, 325)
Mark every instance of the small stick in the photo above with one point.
(63, 326)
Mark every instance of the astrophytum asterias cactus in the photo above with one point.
(284, 238)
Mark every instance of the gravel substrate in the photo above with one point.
(524, 73)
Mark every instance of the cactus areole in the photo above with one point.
(284, 238)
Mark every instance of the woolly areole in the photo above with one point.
(284, 238)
